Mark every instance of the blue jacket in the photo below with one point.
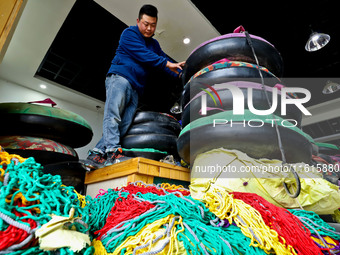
(135, 56)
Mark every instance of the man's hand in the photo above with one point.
(174, 66)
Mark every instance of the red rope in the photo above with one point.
(124, 209)
(13, 235)
(133, 189)
(287, 225)
(129, 208)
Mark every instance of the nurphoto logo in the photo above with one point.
(238, 100)
(239, 103)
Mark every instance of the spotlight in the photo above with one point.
(176, 109)
(317, 41)
(331, 87)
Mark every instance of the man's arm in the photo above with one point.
(132, 45)
(175, 66)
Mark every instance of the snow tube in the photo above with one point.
(141, 117)
(44, 151)
(192, 110)
(163, 120)
(62, 126)
(249, 133)
(159, 142)
(72, 173)
(153, 127)
(225, 72)
(328, 149)
(234, 47)
(145, 153)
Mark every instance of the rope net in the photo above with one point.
(140, 218)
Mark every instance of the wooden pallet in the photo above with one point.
(136, 169)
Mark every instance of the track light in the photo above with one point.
(331, 87)
(176, 109)
(317, 41)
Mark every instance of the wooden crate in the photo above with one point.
(136, 169)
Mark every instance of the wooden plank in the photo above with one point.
(131, 178)
(140, 177)
(114, 171)
(162, 164)
(143, 168)
(183, 176)
(93, 189)
(164, 172)
(153, 170)
(6, 9)
(138, 167)
(175, 174)
(10, 12)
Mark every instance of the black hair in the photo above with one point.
(149, 10)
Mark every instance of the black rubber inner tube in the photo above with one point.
(192, 111)
(235, 48)
(44, 151)
(147, 128)
(46, 122)
(72, 173)
(172, 128)
(256, 142)
(225, 72)
(147, 116)
(161, 142)
(43, 157)
(145, 154)
(329, 150)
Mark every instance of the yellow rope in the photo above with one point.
(171, 187)
(81, 198)
(99, 248)
(149, 233)
(6, 159)
(248, 219)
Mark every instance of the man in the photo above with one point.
(136, 55)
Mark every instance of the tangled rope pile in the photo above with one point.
(147, 219)
(28, 200)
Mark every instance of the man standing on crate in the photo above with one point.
(136, 54)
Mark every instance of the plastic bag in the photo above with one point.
(235, 171)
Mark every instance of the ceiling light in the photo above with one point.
(43, 86)
(176, 109)
(317, 41)
(186, 40)
(331, 87)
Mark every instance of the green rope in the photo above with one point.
(198, 237)
(45, 196)
(100, 207)
(318, 224)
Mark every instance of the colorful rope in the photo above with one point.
(28, 199)
(152, 219)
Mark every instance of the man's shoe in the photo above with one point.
(94, 160)
(115, 157)
(120, 157)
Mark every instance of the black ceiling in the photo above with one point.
(82, 51)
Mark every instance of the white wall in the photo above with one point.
(11, 92)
